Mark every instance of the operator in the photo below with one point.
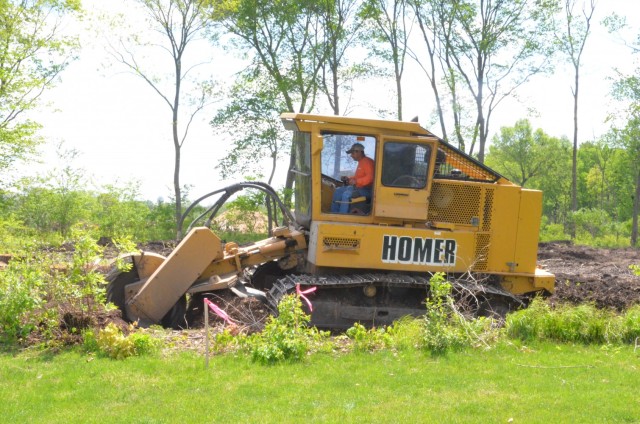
(361, 181)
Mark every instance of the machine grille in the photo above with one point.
(331, 243)
(482, 252)
(488, 209)
(454, 203)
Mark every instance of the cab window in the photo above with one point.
(340, 157)
(336, 162)
(405, 164)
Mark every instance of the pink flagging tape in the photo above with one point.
(302, 295)
(216, 310)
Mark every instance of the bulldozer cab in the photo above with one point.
(404, 162)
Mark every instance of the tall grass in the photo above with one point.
(573, 324)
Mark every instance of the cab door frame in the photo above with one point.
(404, 197)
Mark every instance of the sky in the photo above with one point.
(122, 129)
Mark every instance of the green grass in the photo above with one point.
(546, 383)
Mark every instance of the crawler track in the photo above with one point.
(341, 300)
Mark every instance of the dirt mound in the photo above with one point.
(74, 319)
(587, 274)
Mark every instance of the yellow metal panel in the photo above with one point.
(391, 248)
(172, 279)
(504, 228)
(401, 203)
(528, 230)
(147, 263)
(538, 281)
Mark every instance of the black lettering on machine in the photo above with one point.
(418, 250)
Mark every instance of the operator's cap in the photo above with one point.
(356, 147)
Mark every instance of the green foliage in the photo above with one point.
(252, 120)
(522, 155)
(14, 234)
(33, 51)
(552, 231)
(406, 333)
(573, 324)
(111, 341)
(368, 339)
(22, 292)
(160, 221)
(596, 228)
(445, 329)
(243, 219)
(230, 340)
(631, 324)
(118, 213)
(46, 282)
(635, 269)
(286, 337)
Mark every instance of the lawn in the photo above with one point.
(545, 383)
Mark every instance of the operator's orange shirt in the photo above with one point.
(364, 172)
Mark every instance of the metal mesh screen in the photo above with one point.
(482, 252)
(454, 203)
(488, 209)
(452, 164)
(340, 243)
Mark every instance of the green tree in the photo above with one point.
(181, 24)
(252, 122)
(536, 160)
(522, 154)
(56, 201)
(571, 41)
(490, 48)
(120, 214)
(387, 25)
(34, 50)
(284, 41)
(596, 183)
(629, 138)
(341, 28)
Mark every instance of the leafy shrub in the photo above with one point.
(44, 284)
(594, 227)
(445, 328)
(405, 333)
(111, 341)
(230, 340)
(368, 339)
(286, 337)
(22, 292)
(552, 231)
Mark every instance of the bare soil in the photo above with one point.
(587, 274)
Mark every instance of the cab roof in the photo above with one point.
(303, 122)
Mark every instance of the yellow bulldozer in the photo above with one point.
(430, 208)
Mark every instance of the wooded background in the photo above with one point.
(311, 56)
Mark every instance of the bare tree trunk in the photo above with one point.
(176, 179)
(399, 90)
(177, 146)
(636, 210)
(574, 157)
